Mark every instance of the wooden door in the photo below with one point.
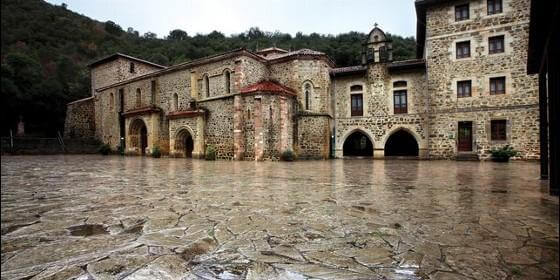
(464, 143)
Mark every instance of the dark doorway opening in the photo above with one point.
(358, 144)
(401, 143)
(143, 140)
(464, 137)
(184, 143)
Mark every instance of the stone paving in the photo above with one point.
(94, 217)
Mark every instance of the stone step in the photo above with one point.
(467, 156)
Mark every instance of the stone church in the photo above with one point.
(466, 93)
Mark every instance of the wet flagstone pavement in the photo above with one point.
(94, 217)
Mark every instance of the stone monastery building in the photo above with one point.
(466, 93)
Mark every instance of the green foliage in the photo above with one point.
(503, 153)
(210, 153)
(156, 153)
(45, 50)
(288, 155)
(104, 149)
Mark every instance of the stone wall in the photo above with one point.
(313, 137)
(444, 70)
(80, 119)
(117, 70)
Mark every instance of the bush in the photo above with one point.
(210, 153)
(156, 153)
(503, 153)
(288, 155)
(104, 149)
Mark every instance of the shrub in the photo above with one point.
(104, 149)
(288, 155)
(210, 153)
(503, 153)
(156, 153)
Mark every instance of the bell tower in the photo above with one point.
(377, 48)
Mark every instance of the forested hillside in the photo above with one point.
(45, 49)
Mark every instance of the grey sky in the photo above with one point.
(236, 16)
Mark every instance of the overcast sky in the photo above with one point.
(236, 16)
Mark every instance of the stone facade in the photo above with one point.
(80, 119)
(256, 105)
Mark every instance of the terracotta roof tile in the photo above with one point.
(268, 86)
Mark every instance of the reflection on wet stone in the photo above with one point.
(143, 218)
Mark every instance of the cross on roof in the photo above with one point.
(375, 24)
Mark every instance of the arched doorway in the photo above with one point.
(401, 143)
(139, 136)
(358, 144)
(184, 143)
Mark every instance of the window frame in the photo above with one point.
(461, 86)
(462, 45)
(459, 9)
(493, 4)
(494, 82)
(227, 80)
(498, 130)
(355, 110)
(398, 107)
(307, 90)
(492, 42)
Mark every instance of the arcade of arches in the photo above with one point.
(139, 136)
(184, 143)
(358, 144)
(401, 143)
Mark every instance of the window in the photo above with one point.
(399, 84)
(461, 12)
(307, 95)
(494, 7)
(207, 85)
(175, 102)
(357, 105)
(153, 92)
(138, 97)
(498, 85)
(496, 44)
(131, 68)
(121, 100)
(498, 129)
(111, 101)
(399, 102)
(464, 89)
(227, 77)
(463, 49)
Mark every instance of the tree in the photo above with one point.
(177, 34)
(113, 28)
(150, 35)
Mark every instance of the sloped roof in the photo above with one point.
(348, 70)
(117, 55)
(268, 86)
(271, 49)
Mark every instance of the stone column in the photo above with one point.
(194, 85)
(200, 141)
(284, 119)
(259, 137)
(238, 77)
(378, 153)
(153, 133)
(238, 137)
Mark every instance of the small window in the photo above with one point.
(400, 102)
(356, 88)
(112, 101)
(494, 7)
(227, 77)
(463, 49)
(498, 128)
(461, 12)
(131, 68)
(153, 92)
(399, 84)
(498, 85)
(357, 105)
(248, 114)
(207, 85)
(464, 89)
(138, 97)
(307, 96)
(175, 102)
(496, 44)
(121, 100)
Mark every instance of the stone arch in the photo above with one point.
(138, 135)
(184, 142)
(403, 141)
(351, 133)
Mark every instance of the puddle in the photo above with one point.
(87, 230)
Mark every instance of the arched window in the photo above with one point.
(307, 95)
(131, 68)
(356, 101)
(207, 85)
(175, 102)
(227, 77)
(112, 101)
(138, 97)
(248, 114)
